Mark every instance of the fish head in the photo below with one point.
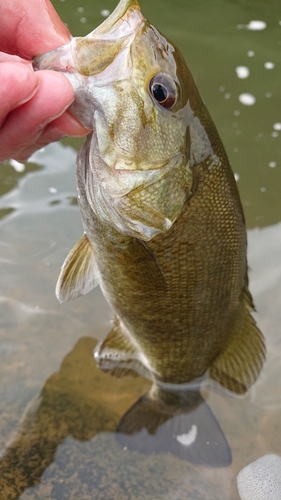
(133, 88)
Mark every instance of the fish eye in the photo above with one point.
(164, 90)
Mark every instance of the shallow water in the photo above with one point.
(58, 411)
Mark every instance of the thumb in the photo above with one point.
(30, 28)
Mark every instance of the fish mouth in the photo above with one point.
(92, 54)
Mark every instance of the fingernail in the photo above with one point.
(54, 117)
(26, 99)
(76, 124)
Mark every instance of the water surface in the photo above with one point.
(58, 411)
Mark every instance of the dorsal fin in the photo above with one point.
(79, 273)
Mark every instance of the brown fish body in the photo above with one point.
(164, 228)
(164, 235)
(180, 297)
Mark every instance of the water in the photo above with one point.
(58, 412)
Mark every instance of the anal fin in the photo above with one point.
(238, 366)
(118, 355)
(79, 273)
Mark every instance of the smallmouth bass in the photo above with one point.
(165, 234)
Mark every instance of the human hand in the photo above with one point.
(32, 104)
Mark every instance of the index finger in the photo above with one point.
(18, 84)
(30, 28)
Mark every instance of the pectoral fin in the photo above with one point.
(79, 273)
(238, 366)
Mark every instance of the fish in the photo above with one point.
(164, 232)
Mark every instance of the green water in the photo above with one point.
(57, 410)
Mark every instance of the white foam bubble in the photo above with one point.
(261, 480)
(189, 438)
(256, 25)
(277, 126)
(242, 71)
(19, 167)
(269, 65)
(105, 12)
(247, 99)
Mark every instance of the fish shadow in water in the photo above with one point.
(180, 423)
(81, 401)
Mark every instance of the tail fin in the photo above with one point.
(185, 427)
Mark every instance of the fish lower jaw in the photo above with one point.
(60, 59)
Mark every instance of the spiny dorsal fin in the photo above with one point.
(238, 366)
(79, 273)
